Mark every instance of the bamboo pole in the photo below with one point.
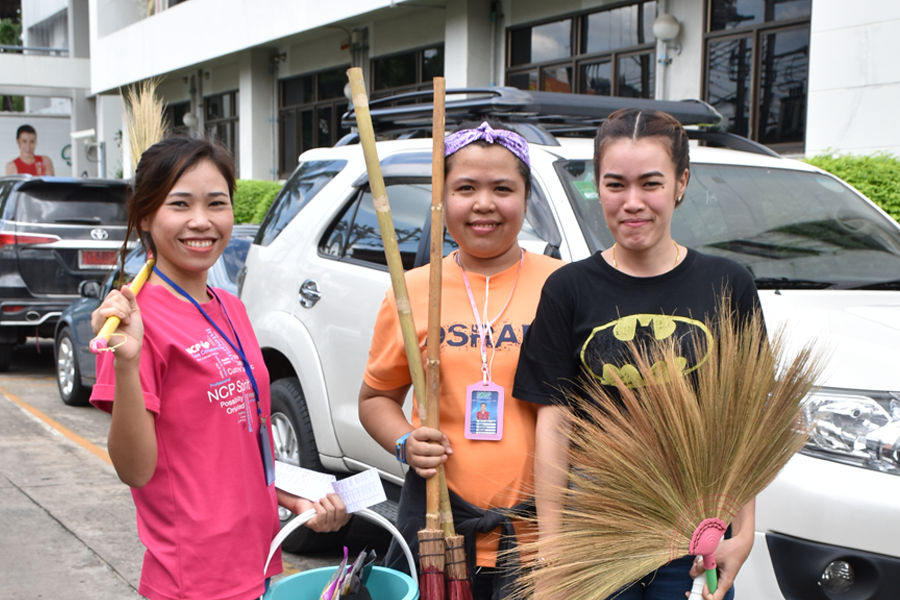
(433, 351)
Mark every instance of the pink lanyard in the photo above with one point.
(485, 328)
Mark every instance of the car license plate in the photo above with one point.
(96, 259)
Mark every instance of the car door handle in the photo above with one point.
(309, 293)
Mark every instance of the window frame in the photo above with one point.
(338, 106)
(580, 58)
(232, 122)
(418, 85)
(755, 33)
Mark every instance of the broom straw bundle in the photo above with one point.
(143, 118)
(146, 126)
(672, 453)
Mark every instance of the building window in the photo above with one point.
(408, 72)
(310, 110)
(174, 116)
(606, 53)
(221, 118)
(757, 61)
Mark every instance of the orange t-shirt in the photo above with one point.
(484, 473)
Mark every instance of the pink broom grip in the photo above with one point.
(704, 542)
(101, 343)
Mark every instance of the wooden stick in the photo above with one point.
(388, 236)
(433, 349)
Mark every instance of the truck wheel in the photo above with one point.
(295, 443)
(6, 352)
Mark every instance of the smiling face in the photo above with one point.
(638, 190)
(27, 142)
(485, 206)
(193, 225)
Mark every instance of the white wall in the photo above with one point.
(35, 11)
(215, 28)
(854, 77)
(52, 138)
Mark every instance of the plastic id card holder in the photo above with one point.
(484, 411)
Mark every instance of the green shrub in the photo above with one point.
(252, 198)
(876, 176)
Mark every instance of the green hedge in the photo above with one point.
(252, 199)
(876, 176)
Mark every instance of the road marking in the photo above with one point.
(289, 569)
(90, 447)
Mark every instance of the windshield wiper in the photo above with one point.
(787, 283)
(891, 284)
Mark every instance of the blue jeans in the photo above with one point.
(669, 582)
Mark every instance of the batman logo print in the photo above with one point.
(606, 352)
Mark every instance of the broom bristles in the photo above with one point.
(144, 118)
(649, 466)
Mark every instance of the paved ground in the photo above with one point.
(68, 525)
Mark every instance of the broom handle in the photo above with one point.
(708, 578)
(101, 340)
(712, 580)
(433, 349)
(388, 236)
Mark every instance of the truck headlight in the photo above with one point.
(855, 429)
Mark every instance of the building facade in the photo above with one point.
(267, 78)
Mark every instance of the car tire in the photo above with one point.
(68, 373)
(295, 443)
(6, 352)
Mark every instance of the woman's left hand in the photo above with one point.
(730, 556)
(331, 514)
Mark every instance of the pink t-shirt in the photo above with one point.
(206, 516)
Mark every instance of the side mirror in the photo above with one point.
(89, 289)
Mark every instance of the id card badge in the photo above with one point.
(484, 411)
(266, 449)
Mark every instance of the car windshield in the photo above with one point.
(71, 205)
(789, 228)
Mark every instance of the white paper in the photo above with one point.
(305, 483)
(360, 491)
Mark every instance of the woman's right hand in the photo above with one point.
(426, 450)
(121, 304)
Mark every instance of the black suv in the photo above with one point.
(55, 233)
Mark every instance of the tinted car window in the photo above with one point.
(782, 225)
(356, 234)
(304, 184)
(76, 205)
(234, 256)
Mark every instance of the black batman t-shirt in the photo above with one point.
(589, 311)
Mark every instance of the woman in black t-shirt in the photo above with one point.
(645, 286)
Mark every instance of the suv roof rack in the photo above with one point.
(538, 116)
(554, 111)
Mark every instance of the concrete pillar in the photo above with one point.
(256, 115)
(110, 116)
(84, 116)
(79, 29)
(467, 43)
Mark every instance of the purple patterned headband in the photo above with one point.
(510, 140)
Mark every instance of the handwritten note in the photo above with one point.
(360, 491)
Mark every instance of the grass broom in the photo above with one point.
(431, 539)
(146, 126)
(659, 473)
